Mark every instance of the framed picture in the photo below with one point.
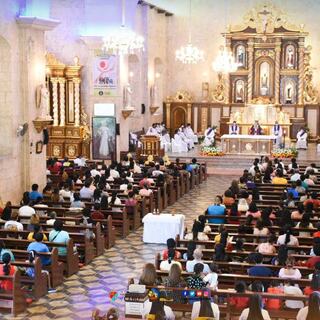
(39, 146)
(104, 138)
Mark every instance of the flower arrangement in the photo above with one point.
(284, 153)
(211, 152)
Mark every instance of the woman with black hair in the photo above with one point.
(282, 257)
(247, 227)
(205, 309)
(305, 223)
(265, 217)
(287, 238)
(6, 269)
(3, 251)
(190, 249)
(312, 311)
(255, 310)
(6, 213)
(196, 233)
(233, 213)
(114, 200)
(104, 205)
(157, 310)
(253, 210)
(220, 253)
(285, 218)
(314, 284)
(165, 265)
(97, 195)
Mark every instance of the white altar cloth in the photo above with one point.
(159, 228)
(248, 136)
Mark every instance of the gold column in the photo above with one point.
(62, 105)
(168, 115)
(227, 76)
(189, 113)
(76, 82)
(54, 82)
(277, 72)
(250, 67)
(301, 70)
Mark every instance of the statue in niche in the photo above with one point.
(127, 96)
(264, 78)
(240, 54)
(289, 90)
(239, 91)
(290, 53)
(42, 102)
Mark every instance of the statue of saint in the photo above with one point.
(42, 102)
(264, 81)
(290, 57)
(127, 95)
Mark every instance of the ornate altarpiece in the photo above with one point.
(69, 135)
(273, 76)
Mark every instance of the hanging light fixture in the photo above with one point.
(124, 41)
(225, 63)
(189, 54)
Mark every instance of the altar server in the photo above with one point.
(179, 143)
(302, 136)
(190, 134)
(234, 128)
(277, 131)
(256, 129)
(209, 135)
(165, 141)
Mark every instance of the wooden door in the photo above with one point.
(178, 118)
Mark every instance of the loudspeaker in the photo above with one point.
(118, 129)
(45, 136)
(143, 108)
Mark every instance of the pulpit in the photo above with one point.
(150, 146)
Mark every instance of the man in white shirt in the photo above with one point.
(295, 176)
(86, 192)
(291, 289)
(277, 131)
(13, 223)
(185, 138)
(80, 161)
(209, 135)
(302, 136)
(197, 254)
(157, 171)
(26, 212)
(113, 172)
(165, 141)
(234, 128)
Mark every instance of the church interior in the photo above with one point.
(160, 159)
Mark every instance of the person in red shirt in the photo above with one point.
(131, 202)
(144, 181)
(171, 244)
(274, 303)
(6, 269)
(97, 214)
(314, 285)
(313, 260)
(313, 199)
(317, 233)
(239, 302)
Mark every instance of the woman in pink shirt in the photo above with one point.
(145, 191)
(253, 211)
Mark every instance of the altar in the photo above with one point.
(258, 145)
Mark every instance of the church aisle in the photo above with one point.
(90, 288)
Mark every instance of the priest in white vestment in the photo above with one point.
(302, 136)
(190, 134)
(179, 144)
(165, 141)
(185, 138)
(277, 131)
(209, 135)
(152, 131)
(234, 128)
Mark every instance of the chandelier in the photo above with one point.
(124, 41)
(225, 63)
(189, 54)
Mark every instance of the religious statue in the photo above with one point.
(42, 102)
(127, 95)
(290, 57)
(289, 92)
(239, 91)
(85, 132)
(241, 55)
(218, 93)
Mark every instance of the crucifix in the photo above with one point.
(264, 18)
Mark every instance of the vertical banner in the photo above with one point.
(105, 74)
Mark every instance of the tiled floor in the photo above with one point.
(90, 288)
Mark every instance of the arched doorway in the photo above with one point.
(178, 118)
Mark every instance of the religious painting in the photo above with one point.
(239, 91)
(105, 74)
(39, 146)
(240, 55)
(288, 87)
(290, 57)
(104, 138)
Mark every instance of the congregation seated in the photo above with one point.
(217, 209)
(197, 259)
(205, 309)
(39, 246)
(6, 269)
(13, 223)
(58, 235)
(255, 309)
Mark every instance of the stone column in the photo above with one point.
(76, 82)
(62, 100)
(277, 72)
(250, 69)
(189, 113)
(54, 82)
(301, 71)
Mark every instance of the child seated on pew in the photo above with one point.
(36, 229)
(6, 269)
(239, 302)
(290, 288)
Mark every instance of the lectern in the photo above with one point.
(150, 146)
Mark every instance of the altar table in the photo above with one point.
(247, 144)
(159, 228)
